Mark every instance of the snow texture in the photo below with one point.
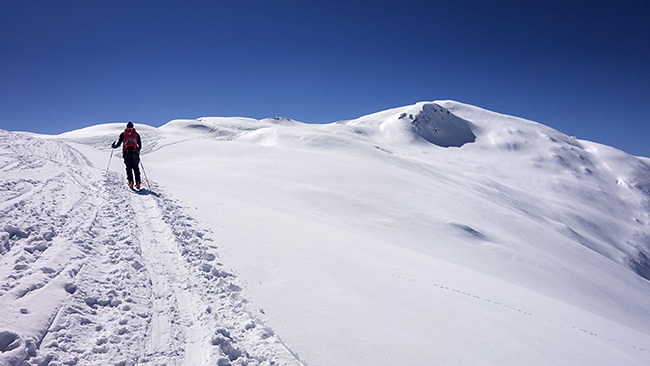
(436, 233)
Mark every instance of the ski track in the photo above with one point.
(105, 276)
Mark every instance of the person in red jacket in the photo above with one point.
(131, 153)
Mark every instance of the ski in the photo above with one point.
(136, 190)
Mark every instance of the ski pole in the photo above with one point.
(109, 163)
(145, 175)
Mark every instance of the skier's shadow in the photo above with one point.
(146, 192)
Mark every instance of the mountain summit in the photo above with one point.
(424, 121)
(435, 233)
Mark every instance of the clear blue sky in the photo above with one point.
(582, 67)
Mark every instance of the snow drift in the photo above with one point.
(437, 233)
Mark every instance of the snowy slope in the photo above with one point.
(437, 233)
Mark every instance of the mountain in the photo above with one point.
(436, 233)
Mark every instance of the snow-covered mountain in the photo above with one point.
(431, 234)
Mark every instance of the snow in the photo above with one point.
(436, 233)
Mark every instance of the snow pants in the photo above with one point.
(132, 162)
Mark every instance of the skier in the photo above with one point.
(131, 153)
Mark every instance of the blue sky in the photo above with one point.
(581, 67)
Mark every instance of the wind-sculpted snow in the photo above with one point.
(224, 129)
(605, 191)
(409, 236)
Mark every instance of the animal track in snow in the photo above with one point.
(514, 309)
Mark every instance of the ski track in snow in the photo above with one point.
(104, 276)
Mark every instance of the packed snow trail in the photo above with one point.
(49, 218)
(94, 274)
